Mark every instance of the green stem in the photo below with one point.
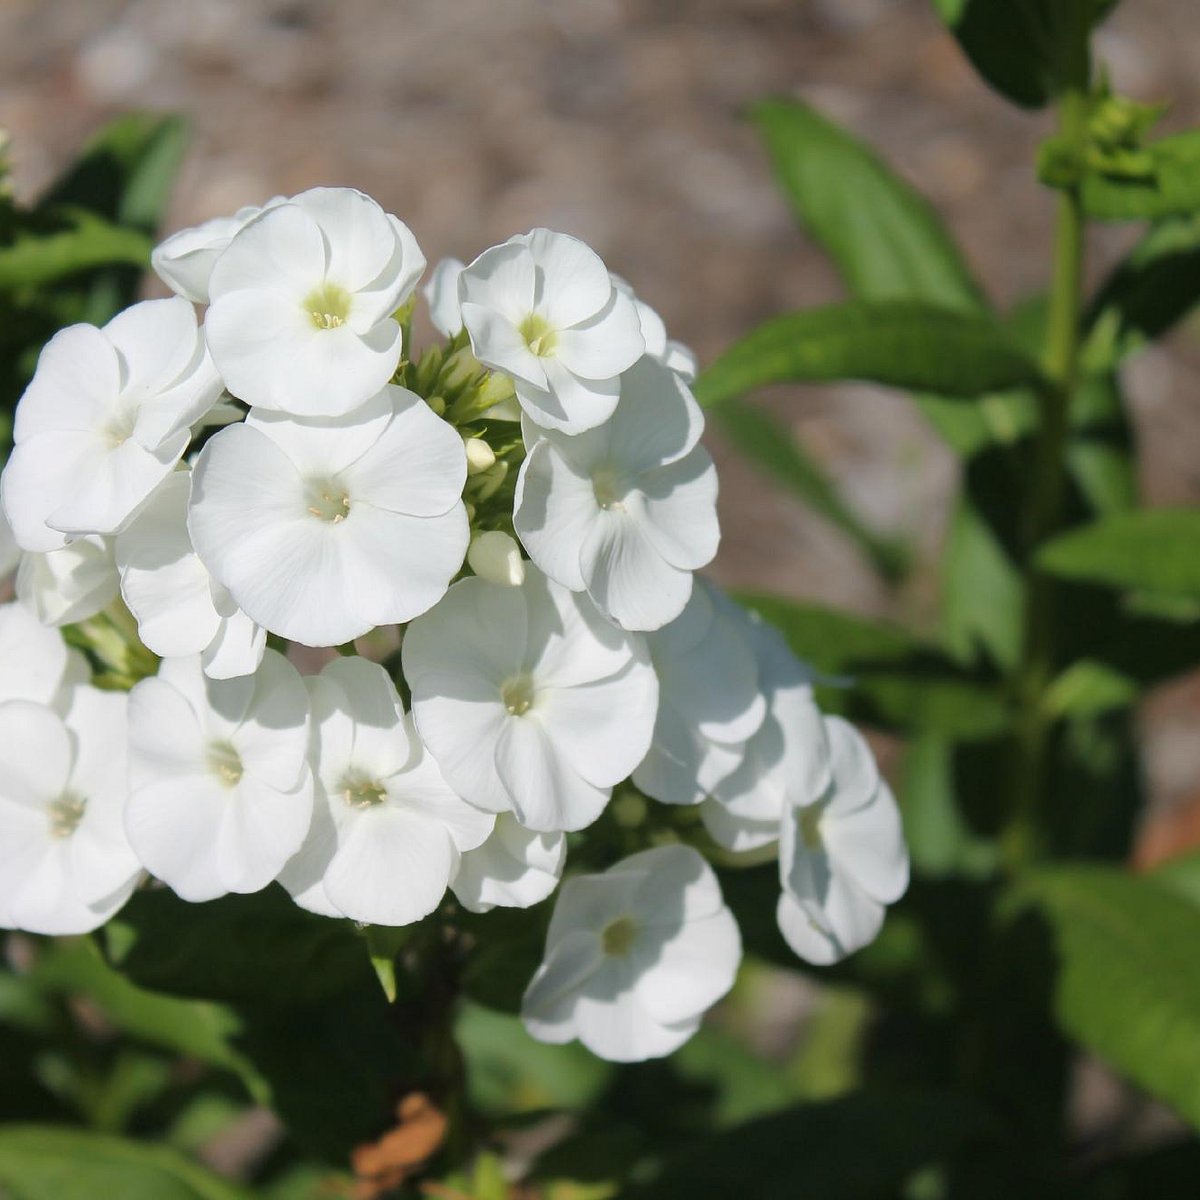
(1061, 363)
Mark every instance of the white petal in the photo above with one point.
(502, 279)
(545, 792)
(679, 510)
(261, 828)
(692, 969)
(33, 659)
(496, 342)
(441, 294)
(855, 772)
(515, 868)
(568, 403)
(35, 754)
(554, 508)
(604, 344)
(363, 722)
(165, 735)
(806, 932)
(282, 248)
(236, 649)
(41, 473)
(675, 885)
(358, 239)
(572, 283)
(868, 845)
(615, 1025)
(272, 737)
(75, 386)
(657, 421)
(549, 1005)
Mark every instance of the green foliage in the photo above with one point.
(1167, 185)
(51, 1163)
(901, 344)
(1128, 981)
(1148, 550)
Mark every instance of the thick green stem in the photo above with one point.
(1061, 363)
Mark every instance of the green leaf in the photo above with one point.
(1168, 187)
(238, 948)
(771, 446)
(901, 344)
(51, 1163)
(818, 1150)
(1155, 287)
(886, 676)
(884, 237)
(1155, 550)
(81, 242)
(1128, 983)
(1087, 688)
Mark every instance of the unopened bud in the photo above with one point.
(480, 456)
(496, 557)
(458, 370)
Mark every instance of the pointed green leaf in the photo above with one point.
(1128, 985)
(900, 344)
(1153, 550)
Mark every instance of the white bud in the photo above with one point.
(496, 557)
(480, 456)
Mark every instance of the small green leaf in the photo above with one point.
(901, 344)
(884, 237)
(1128, 983)
(771, 446)
(51, 1163)
(1087, 688)
(1153, 550)
(74, 241)
(1168, 185)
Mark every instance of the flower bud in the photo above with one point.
(480, 456)
(496, 557)
(458, 370)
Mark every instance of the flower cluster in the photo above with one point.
(509, 523)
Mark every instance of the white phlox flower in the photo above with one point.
(323, 529)
(670, 353)
(387, 830)
(65, 863)
(441, 294)
(185, 260)
(634, 957)
(787, 757)
(709, 702)
(543, 309)
(71, 584)
(529, 700)
(35, 663)
(221, 790)
(842, 856)
(515, 868)
(625, 512)
(180, 609)
(104, 420)
(302, 301)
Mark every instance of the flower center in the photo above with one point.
(539, 336)
(328, 501)
(225, 763)
(360, 791)
(617, 936)
(120, 428)
(809, 821)
(609, 489)
(517, 694)
(65, 814)
(327, 306)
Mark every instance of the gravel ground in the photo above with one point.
(622, 122)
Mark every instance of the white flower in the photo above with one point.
(302, 303)
(635, 957)
(387, 830)
(671, 354)
(627, 511)
(529, 700)
(34, 660)
(709, 701)
(497, 558)
(543, 309)
(515, 868)
(180, 609)
(441, 294)
(71, 584)
(10, 552)
(185, 260)
(65, 864)
(222, 794)
(786, 761)
(104, 420)
(842, 857)
(323, 529)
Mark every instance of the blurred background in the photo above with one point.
(622, 122)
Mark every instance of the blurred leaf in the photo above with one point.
(902, 344)
(883, 675)
(48, 1163)
(78, 241)
(1101, 455)
(862, 1146)
(772, 446)
(1128, 983)
(238, 948)
(1156, 550)
(1087, 688)
(1156, 286)
(884, 237)
(1169, 186)
(507, 951)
